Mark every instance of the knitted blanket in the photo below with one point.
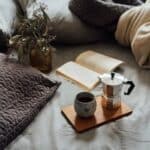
(102, 13)
(133, 30)
(23, 93)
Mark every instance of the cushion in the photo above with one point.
(133, 30)
(67, 27)
(8, 16)
(141, 45)
(8, 20)
(101, 13)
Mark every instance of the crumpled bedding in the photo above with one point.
(133, 30)
(23, 93)
(102, 13)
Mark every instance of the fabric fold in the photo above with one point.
(24, 92)
(133, 30)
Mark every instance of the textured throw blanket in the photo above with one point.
(23, 93)
(133, 30)
(102, 13)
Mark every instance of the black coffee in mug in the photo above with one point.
(85, 97)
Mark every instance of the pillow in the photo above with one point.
(101, 13)
(135, 32)
(141, 45)
(130, 2)
(24, 3)
(67, 27)
(8, 19)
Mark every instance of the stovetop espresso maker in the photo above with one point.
(112, 84)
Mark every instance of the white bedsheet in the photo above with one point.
(50, 131)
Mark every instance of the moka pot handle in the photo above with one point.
(131, 87)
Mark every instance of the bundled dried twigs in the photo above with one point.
(33, 34)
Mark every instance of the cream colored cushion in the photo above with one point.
(133, 30)
(141, 45)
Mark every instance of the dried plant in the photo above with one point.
(33, 33)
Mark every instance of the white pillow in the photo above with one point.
(67, 27)
(8, 17)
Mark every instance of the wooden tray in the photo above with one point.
(100, 117)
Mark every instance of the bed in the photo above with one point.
(50, 131)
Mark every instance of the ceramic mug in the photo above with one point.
(85, 104)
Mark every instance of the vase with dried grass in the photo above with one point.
(32, 40)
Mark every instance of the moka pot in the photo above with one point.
(112, 85)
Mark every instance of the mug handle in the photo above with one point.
(131, 87)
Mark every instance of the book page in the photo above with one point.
(98, 62)
(81, 75)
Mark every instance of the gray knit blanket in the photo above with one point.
(102, 13)
(23, 93)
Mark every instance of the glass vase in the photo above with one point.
(42, 60)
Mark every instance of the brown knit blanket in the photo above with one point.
(23, 93)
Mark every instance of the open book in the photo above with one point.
(87, 67)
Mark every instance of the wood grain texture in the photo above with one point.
(101, 116)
